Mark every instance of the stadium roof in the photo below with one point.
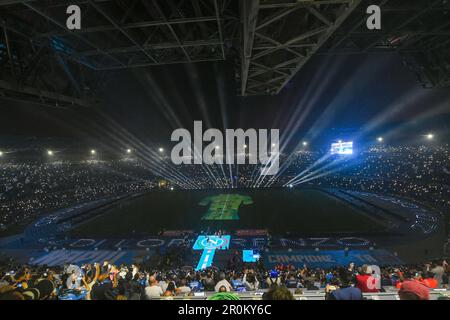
(269, 40)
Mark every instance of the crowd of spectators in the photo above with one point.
(420, 173)
(107, 281)
(28, 189)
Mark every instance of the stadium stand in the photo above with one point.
(30, 189)
(106, 281)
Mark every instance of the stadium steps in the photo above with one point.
(342, 196)
(385, 211)
(87, 215)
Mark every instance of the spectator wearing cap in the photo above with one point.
(413, 290)
(273, 279)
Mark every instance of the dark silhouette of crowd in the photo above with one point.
(108, 281)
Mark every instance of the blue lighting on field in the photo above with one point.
(212, 242)
(209, 245)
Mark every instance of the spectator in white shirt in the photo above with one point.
(183, 288)
(153, 290)
(223, 282)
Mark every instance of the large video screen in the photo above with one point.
(224, 206)
(250, 256)
(342, 147)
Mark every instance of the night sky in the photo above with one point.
(328, 94)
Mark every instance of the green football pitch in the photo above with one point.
(298, 211)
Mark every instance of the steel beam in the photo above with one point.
(219, 28)
(161, 13)
(50, 19)
(331, 29)
(8, 50)
(43, 94)
(140, 65)
(403, 24)
(133, 25)
(250, 11)
(156, 46)
(125, 33)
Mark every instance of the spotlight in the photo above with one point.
(305, 143)
(171, 188)
(291, 186)
(380, 139)
(273, 144)
(128, 150)
(245, 146)
(430, 136)
(50, 152)
(93, 152)
(1, 153)
(161, 149)
(217, 147)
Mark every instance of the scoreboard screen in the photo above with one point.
(342, 147)
(250, 256)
